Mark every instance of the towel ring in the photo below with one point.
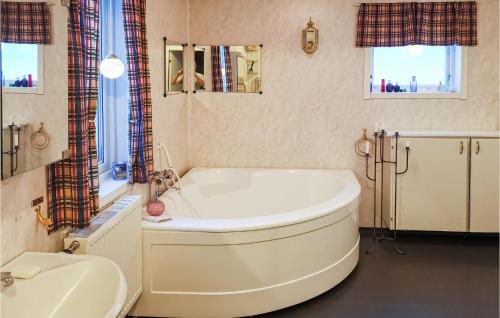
(361, 142)
(40, 139)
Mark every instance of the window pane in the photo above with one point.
(223, 68)
(18, 62)
(430, 65)
(100, 124)
(100, 115)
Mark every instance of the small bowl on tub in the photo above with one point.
(156, 208)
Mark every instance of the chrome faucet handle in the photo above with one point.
(7, 279)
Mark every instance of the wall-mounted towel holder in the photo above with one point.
(40, 139)
(36, 203)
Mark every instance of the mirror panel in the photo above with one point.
(228, 69)
(34, 101)
(174, 67)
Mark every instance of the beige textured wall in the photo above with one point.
(312, 108)
(19, 230)
(170, 114)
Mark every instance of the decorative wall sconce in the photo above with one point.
(310, 38)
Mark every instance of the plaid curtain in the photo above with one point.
(412, 23)
(218, 80)
(140, 114)
(73, 184)
(447, 23)
(25, 23)
(217, 83)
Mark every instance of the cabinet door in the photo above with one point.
(484, 185)
(433, 193)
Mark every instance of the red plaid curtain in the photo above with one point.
(73, 184)
(25, 23)
(140, 118)
(218, 80)
(412, 23)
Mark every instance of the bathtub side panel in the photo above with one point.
(228, 280)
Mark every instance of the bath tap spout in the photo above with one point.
(72, 247)
(7, 279)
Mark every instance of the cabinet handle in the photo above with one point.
(461, 147)
(478, 147)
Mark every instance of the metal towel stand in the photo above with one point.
(379, 145)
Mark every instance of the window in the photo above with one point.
(415, 72)
(223, 68)
(22, 68)
(112, 107)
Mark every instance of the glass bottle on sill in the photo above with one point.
(448, 82)
(413, 84)
(382, 86)
(441, 87)
(397, 88)
(389, 88)
(24, 81)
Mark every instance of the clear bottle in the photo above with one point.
(413, 84)
(448, 82)
(441, 87)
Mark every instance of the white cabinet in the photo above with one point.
(452, 184)
(484, 189)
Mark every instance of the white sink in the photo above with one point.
(68, 286)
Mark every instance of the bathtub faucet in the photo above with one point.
(7, 279)
(170, 173)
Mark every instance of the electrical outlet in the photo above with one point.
(37, 202)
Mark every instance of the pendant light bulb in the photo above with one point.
(112, 67)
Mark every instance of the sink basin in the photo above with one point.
(68, 286)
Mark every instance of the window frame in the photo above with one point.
(105, 125)
(40, 89)
(106, 103)
(113, 104)
(368, 70)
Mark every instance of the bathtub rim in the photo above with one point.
(347, 199)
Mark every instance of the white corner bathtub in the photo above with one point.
(243, 242)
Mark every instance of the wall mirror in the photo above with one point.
(227, 69)
(174, 67)
(34, 100)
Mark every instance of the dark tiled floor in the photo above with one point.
(441, 276)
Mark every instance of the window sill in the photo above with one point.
(110, 189)
(21, 90)
(416, 96)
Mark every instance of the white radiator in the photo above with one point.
(116, 234)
